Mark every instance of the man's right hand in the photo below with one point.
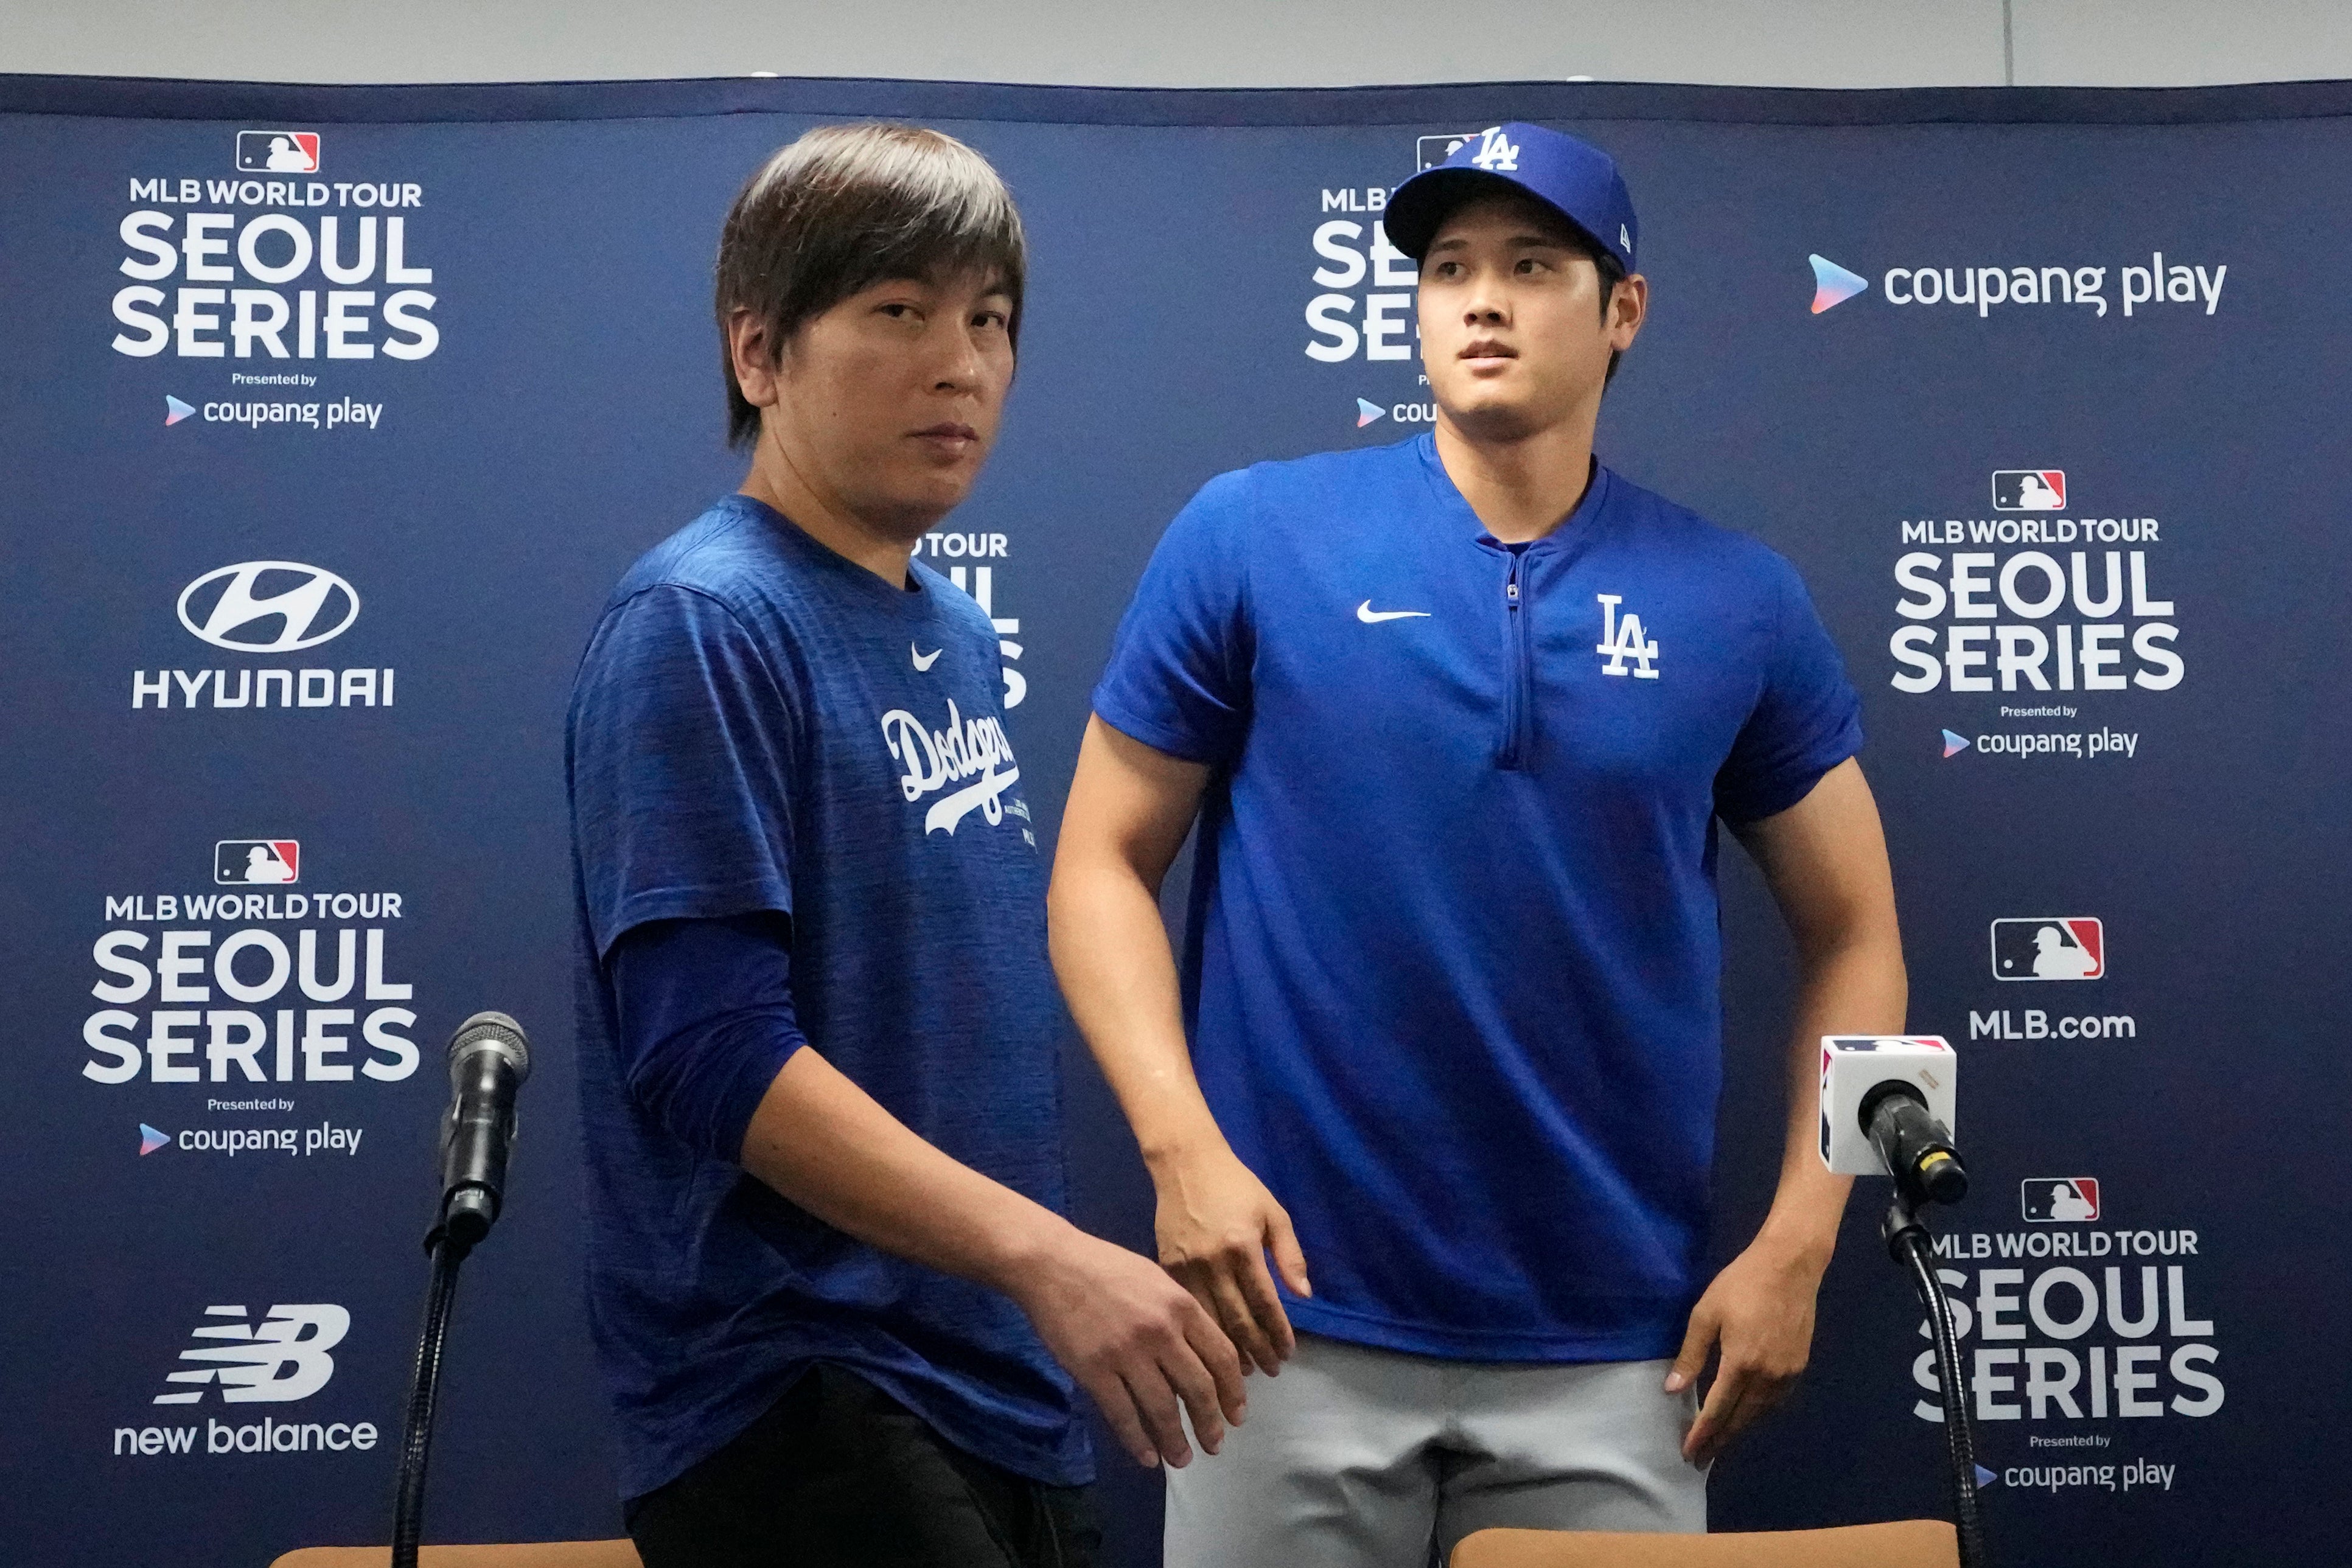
(1216, 1224)
(1136, 1344)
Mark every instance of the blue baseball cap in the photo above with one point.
(1575, 179)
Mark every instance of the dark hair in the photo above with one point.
(848, 206)
(1613, 273)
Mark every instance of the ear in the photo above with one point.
(1629, 307)
(754, 359)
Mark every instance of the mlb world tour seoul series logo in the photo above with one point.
(2043, 604)
(227, 985)
(2078, 1329)
(271, 262)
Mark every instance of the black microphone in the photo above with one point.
(488, 1058)
(1916, 1148)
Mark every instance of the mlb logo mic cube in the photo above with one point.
(1854, 1064)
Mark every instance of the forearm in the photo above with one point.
(1111, 955)
(1855, 986)
(830, 1147)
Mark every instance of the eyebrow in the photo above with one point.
(1519, 241)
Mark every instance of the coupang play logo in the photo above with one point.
(2139, 286)
(1834, 284)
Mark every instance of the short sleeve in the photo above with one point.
(1807, 718)
(1178, 678)
(681, 742)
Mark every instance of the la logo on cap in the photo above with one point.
(1498, 154)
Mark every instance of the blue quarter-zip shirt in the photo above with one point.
(1452, 972)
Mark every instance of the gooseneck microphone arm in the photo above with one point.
(1919, 1153)
(1914, 1251)
(424, 1393)
(490, 1057)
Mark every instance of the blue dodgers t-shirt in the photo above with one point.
(1454, 967)
(761, 724)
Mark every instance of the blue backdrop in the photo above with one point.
(2065, 474)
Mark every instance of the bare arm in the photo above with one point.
(1825, 860)
(1135, 1342)
(1130, 809)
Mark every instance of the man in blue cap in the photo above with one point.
(1457, 718)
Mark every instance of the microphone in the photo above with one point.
(1914, 1146)
(1886, 1109)
(490, 1057)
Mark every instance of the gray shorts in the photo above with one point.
(1359, 1457)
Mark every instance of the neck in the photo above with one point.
(1524, 485)
(776, 481)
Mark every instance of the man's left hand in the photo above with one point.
(1760, 1310)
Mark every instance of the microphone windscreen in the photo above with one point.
(493, 1031)
(1855, 1065)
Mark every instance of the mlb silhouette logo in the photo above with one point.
(257, 862)
(2029, 489)
(2049, 947)
(1432, 151)
(277, 152)
(2058, 1200)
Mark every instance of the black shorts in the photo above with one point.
(839, 1475)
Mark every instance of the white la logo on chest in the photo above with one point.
(1622, 639)
(975, 749)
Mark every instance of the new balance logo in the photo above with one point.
(284, 1359)
(1495, 153)
(1622, 639)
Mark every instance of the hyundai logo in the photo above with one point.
(269, 607)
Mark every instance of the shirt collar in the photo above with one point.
(1572, 531)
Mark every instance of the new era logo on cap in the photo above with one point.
(2058, 1200)
(277, 152)
(2029, 489)
(2049, 947)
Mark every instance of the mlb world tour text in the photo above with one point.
(265, 258)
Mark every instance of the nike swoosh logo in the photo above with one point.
(925, 661)
(1371, 617)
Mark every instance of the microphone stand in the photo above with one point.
(448, 1247)
(1912, 1250)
